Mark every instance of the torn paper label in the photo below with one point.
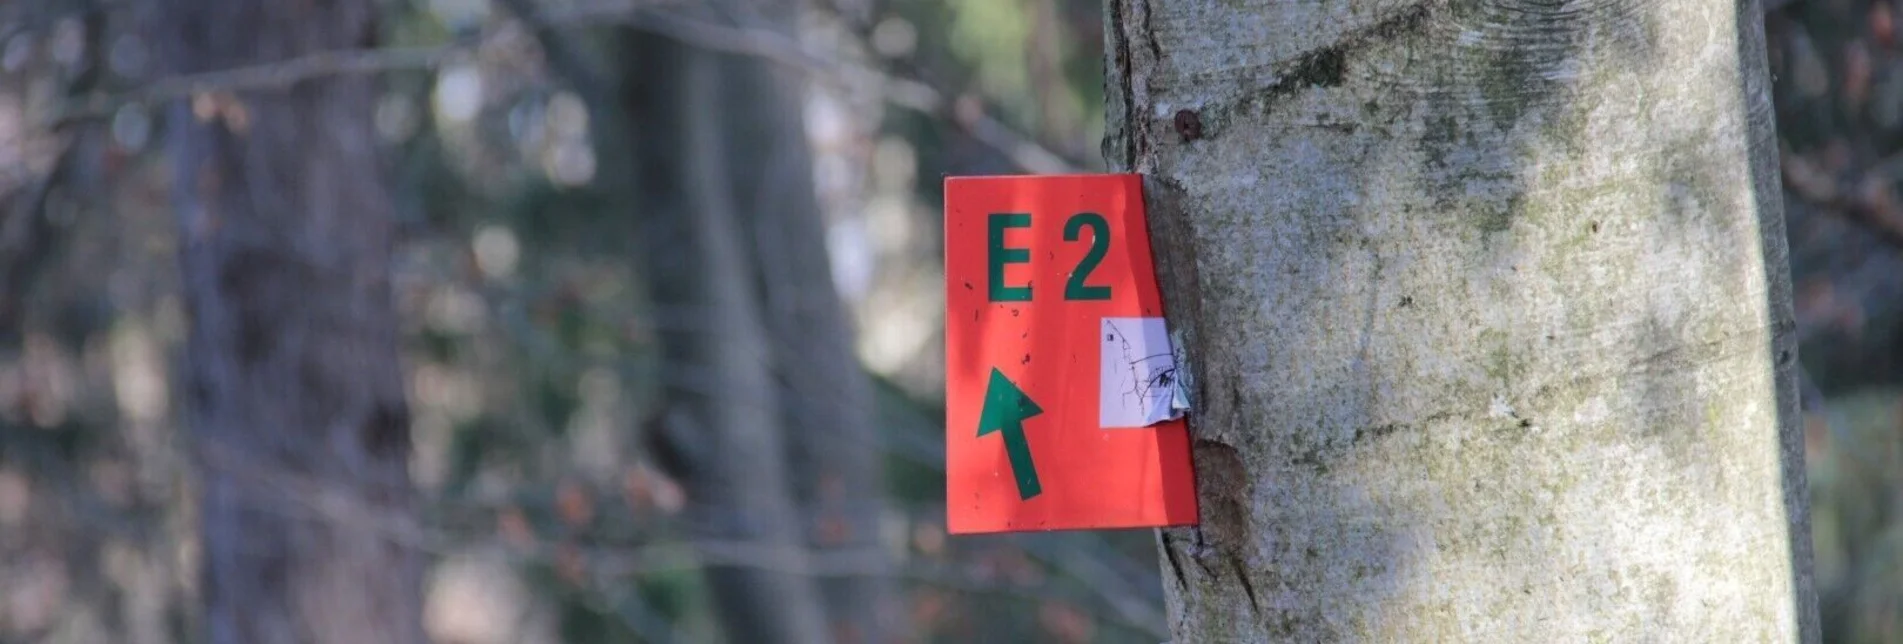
(1138, 384)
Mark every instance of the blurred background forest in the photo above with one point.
(558, 497)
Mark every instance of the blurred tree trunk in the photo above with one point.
(825, 395)
(295, 393)
(722, 433)
(1488, 316)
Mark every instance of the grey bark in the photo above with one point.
(722, 433)
(295, 396)
(1488, 317)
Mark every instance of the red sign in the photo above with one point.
(1062, 409)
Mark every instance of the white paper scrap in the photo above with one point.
(1138, 387)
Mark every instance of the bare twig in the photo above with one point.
(903, 92)
(1096, 575)
(1867, 199)
(283, 491)
(272, 75)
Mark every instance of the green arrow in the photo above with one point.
(1005, 409)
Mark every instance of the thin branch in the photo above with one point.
(1096, 575)
(1867, 199)
(303, 496)
(274, 75)
(903, 92)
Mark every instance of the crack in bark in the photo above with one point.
(1255, 605)
(1202, 561)
(1116, 143)
(1176, 565)
(1149, 33)
(1129, 142)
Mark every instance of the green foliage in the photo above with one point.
(991, 36)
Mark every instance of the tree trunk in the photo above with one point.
(722, 433)
(295, 394)
(825, 396)
(1488, 318)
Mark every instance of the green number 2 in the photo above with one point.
(1075, 289)
(998, 255)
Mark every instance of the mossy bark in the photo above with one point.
(1487, 314)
